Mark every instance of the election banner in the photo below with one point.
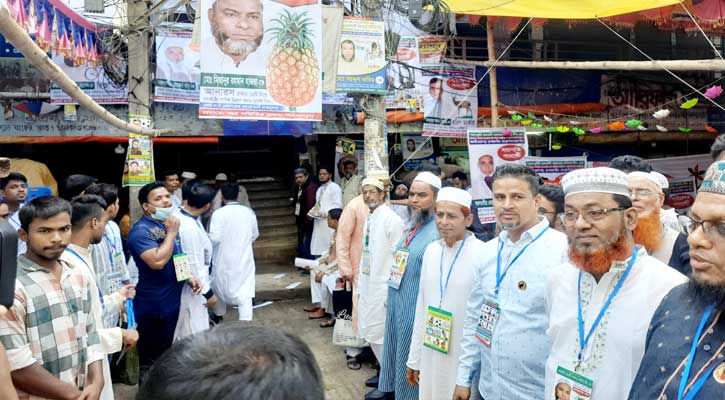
(404, 93)
(139, 167)
(417, 150)
(682, 167)
(682, 192)
(487, 149)
(91, 78)
(265, 68)
(552, 169)
(432, 49)
(361, 64)
(450, 99)
(177, 69)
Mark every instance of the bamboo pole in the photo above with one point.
(715, 65)
(492, 79)
(38, 59)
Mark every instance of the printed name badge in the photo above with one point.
(182, 266)
(366, 262)
(438, 325)
(490, 310)
(118, 258)
(572, 386)
(398, 268)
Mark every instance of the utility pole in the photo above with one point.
(493, 81)
(375, 134)
(139, 80)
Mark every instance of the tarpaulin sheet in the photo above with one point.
(565, 9)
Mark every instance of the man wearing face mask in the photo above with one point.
(163, 268)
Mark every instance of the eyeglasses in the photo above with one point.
(641, 193)
(708, 227)
(569, 218)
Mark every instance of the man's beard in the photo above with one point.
(648, 231)
(419, 217)
(706, 293)
(599, 261)
(242, 47)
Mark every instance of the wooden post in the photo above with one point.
(713, 65)
(493, 82)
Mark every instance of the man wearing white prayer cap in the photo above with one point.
(504, 335)
(403, 288)
(668, 216)
(600, 303)
(661, 242)
(450, 265)
(382, 230)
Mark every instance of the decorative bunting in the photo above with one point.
(661, 114)
(562, 129)
(713, 92)
(598, 129)
(661, 128)
(579, 131)
(685, 130)
(633, 123)
(689, 104)
(616, 126)
(710, 129)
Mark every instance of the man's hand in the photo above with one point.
(322, 260)
(413, 377)
(91, 392)
(194, 284)
(129, 337)
(211, 301)
(172, 225)
(318, 277)
(347, 277)
(127, 292)
(462, 393)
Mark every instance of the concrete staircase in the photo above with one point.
(277, 243)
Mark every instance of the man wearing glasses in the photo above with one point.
(689, 320)
(600, 303)
(552, 205)
(660, 241)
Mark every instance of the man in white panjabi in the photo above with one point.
(193, 314)
(450, 267)
(382, 231)
(233, 230)
(328, 197)
(600, 303)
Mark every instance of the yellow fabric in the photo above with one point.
(564, 9)
(37, 173)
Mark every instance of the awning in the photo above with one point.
(563, 9)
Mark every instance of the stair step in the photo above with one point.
(263, 212)
(275, 221)
(279, 233)
(265, 186)
(264, 250)
(269, 203)
(269, 194)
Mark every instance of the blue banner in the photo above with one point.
(266, 128)
(7, 49)
(519, 86)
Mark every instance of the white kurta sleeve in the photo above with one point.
(111, 340)
(216, 228)
(192, 241)
(112, 304)
(255, 227)
(416, 343)
(470, 359)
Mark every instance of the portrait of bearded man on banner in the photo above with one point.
(237, 32)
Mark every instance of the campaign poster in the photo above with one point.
(404, 94)
(432, 49)
(139, 167)
(552, 169)
(177, 69)
(91, 78)
(682, 193)
(489, 148)
(417, 150)
(361, 62)
(261, 60)
(450, 99)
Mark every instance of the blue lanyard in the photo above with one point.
(686, 375)
(582, 340)
(448, 278)
(75, 253)
(130, 315)
(499, 276)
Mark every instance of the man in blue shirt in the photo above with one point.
(155, 247)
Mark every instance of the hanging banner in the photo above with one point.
(361, 64)
(331, 27)
(682, 193)
(552, 169)
(91, 78)
(401, 77)
(489, 148)
(423, 154)
(265, 68)
(432, 49)
(139, 167)
(177, 69)
(681, 167)
(450, 99)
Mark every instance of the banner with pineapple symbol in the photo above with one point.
(260, 59)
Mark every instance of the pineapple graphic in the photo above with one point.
(293, 72)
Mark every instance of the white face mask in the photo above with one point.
(162, 213)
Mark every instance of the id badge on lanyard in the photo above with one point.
(487, 320)
(571, 385)
(182, 263)
(398, 269)
(438, 327)
(365, 268)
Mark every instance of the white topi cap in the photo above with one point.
(220, 177)
(646, 175)
(188, 175)
(455, 195)
(595, 180)
(428, 178)
(661, 179)
(373, 182)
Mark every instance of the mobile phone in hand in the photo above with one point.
(8, 262)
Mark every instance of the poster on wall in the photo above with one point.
(91, 78)
(177, 69)
(450, 99)
(552, 169)
(487, 149)
(139, 167)
(417, 150)
(682, 193)
(361, 63)
(432, 49)
(404, 93)
(268, 67)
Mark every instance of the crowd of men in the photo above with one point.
(79, 300)
(594, 289)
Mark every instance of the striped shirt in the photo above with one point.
(50, 323)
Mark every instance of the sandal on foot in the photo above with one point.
(328, 324)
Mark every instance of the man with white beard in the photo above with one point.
(237, 29)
